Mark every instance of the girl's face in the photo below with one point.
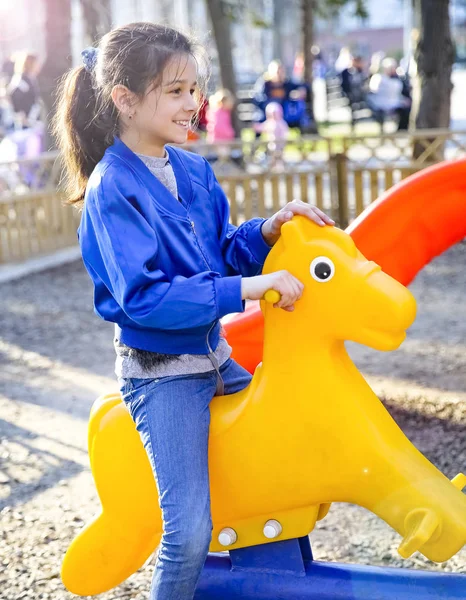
(164, 114)
(228, 104)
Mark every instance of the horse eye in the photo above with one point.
(322, 269)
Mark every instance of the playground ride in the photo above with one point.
(403, 231)
(306, 432)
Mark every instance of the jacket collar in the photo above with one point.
(160, 193)
(183, 180)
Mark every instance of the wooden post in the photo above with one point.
(342, 188)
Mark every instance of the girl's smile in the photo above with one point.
(184, 124)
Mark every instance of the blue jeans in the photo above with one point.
(172, 416)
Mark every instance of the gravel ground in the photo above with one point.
(56, 357)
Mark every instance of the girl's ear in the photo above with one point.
(123, 99)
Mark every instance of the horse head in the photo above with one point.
(346, 297)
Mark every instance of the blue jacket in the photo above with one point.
(165, 271)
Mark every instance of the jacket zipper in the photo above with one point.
(209, 347)
(199, 246)
(220, 390)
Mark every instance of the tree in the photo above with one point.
(309, 13)
(97, 18)
(58, 52)
(221, 14)
(278, 16)
(434, 56)
(321, 8)
(325, 8)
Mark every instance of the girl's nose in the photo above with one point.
(190, 104)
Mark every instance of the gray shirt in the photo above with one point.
(138, 364)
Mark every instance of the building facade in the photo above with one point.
(382, 31)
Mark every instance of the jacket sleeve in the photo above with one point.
(125, 247)
(244, 249)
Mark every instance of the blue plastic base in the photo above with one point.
(286, 571)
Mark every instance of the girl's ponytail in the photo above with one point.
(83, 129)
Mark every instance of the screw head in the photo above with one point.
(227, 536)
(272, 529)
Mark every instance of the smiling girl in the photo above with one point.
(165, 263)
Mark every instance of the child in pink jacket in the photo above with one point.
(219, 127)
(274, 125)
(276, 129)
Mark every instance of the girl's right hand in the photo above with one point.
(289, 288)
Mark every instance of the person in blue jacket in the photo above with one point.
(165, 263)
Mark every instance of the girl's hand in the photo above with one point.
(289, 288)
(271, 228)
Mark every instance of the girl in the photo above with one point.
(165, 263)
(276, 129)
(219, 127)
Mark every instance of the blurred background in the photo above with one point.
(347, 96)
(334, 48)
(329, 101)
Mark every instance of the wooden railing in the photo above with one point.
(35, 224)
(340, 175)
(262, 194)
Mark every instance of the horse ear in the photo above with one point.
(292, 233)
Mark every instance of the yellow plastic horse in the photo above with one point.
(307, 431)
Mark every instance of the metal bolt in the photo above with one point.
(227, 536)
(272, 529)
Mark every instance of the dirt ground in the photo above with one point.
(56, 357)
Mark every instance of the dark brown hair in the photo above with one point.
(87, 120)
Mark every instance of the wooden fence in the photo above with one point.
(35, 224)
(340, 175)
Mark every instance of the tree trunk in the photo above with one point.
(434, 56)
(308, 12)
(97, 18)
(278, 14)
(308, 8)
(222, 34)
(58, 53)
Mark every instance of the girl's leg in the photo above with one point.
(235, 377)
(172, 416)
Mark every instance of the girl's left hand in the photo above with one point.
(271, 228)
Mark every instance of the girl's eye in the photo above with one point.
(192, 92)
(177, 91)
